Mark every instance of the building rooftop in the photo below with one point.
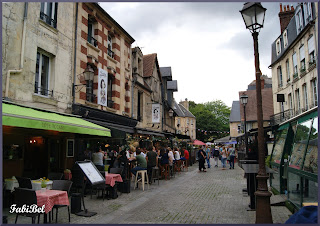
(235, 112)
(181, 111)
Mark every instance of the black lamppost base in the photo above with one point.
(263, 208)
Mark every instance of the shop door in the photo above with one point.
(54, 157)
(36, 158)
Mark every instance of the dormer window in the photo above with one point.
(299, 21)
(285, 39)
(307, 7)
(278, 46)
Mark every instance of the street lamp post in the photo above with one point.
(253, 15)
(244, 101)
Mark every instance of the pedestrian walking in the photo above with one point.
(208, 156)
(232, 156)
(216, 155)
(201, 157)
(223, 157)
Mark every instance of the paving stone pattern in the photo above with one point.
(191, 197)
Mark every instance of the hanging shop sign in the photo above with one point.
(102, 87)
(155, 113)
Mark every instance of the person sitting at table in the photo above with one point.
(123, 161)
(97, 159)
(176, 153)
(141, 162)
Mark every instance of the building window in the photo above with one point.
(288, 70)
(179, 123)
(311, 51)
(278, 46)
(187, 121)
(305, 96)
(298, 100)
(307, 12)
(110, 52)
(290, 101)
(314, 92)
(279, 72)
(140, 106)
(302, 59)
(295, 66)
(299, 22)
(91, 39)
(109, 91)
(89, 91)
(48, 13)
(285, 39)
(42, 75)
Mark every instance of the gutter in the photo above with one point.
(15, 71)
(75, 55)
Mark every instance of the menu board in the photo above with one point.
(91, 172)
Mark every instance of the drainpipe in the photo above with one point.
(75, 56)
(6, 95)
(132, 94)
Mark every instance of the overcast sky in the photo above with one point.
(206, 44)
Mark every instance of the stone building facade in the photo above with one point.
(294, 59)
(185, 121)
(103, 44)
(37, 54)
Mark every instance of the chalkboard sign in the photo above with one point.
(70, 147)
(91, 172)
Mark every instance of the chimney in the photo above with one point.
(285, 16)
(185, 104)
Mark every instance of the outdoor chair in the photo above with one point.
(62, 185)
(55, 176)
(24, 182)
(24, 196)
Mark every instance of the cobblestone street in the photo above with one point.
(214, 197)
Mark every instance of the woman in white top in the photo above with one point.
(97, 158)
(176, 154)
(171, 157)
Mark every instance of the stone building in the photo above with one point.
(37, 74)
(293, 63)
(234, 119)
(37, 54)
(185, 120)
(146, 92)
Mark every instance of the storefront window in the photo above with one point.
(294, 193)
(310, 163)
(300, 144)
(310, 191)
(279, 145)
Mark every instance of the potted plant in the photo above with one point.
(44, 183)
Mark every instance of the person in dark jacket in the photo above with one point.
(202, 158)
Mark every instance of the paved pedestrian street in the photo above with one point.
(191, 197)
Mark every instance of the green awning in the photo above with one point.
(13, 115)
(308, 117)
(284, 126)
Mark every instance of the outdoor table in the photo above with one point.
(36, 184)
(112, 178)
(49, 198)
(11, 184)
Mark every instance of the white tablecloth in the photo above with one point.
(11, 184)
(36, 184)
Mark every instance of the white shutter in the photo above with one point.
(294, 59)
(302, 54)
(311, 45)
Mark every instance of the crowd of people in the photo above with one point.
(143, 159)
(225, 154)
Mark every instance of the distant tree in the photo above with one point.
(210, 116)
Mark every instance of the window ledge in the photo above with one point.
(93, 47)
(111, 59)
(47, 26)
(90, 104)
(44, 99)
(311, 67)
(111, 110)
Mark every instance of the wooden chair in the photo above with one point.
(62, 185)
(165, 171)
